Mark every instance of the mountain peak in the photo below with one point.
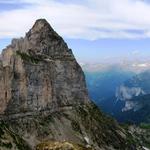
(42, 39)
(43, 96)
(42, 20)
(43, 59)
(41, 24)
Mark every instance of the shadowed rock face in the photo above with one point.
(39, 72)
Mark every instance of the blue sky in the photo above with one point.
(95, 29)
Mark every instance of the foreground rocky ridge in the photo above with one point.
(60, 146)
(10, 140)
(43, 95)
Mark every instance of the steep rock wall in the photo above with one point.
(39, 72)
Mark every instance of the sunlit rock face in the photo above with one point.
(134, 96)
(138, 85)
(125, 94)
(39, 72)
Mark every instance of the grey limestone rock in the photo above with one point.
(39, 72)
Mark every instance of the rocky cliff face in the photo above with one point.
(39, 72)
(43, 95)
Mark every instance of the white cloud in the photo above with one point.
(92, 19)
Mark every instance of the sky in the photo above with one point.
(95, 30)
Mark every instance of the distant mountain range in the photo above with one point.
(122, 93)
(100, 83)
(135, 95)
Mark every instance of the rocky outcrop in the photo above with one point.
(43, 95)
(141, 134)
(10, 140)
(60, 146)
(39, 72)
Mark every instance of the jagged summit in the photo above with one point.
(40, 41)
(42, 28)
(41, 23)
(43, 39)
